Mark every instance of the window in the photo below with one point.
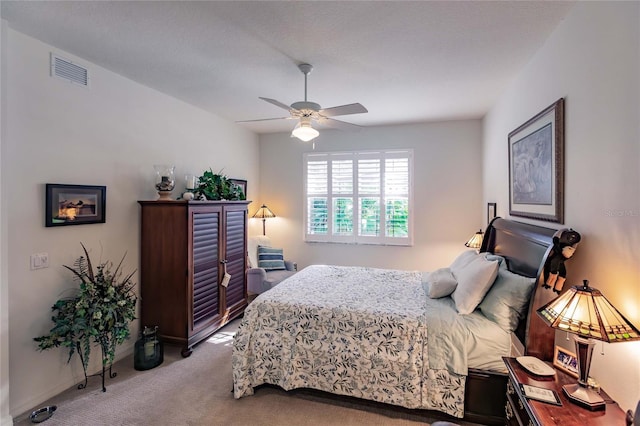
(359, 197)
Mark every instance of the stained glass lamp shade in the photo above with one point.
(586, 313)
(264, 213)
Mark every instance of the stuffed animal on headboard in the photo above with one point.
(565, 242)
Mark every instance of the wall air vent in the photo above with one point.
(69, 71)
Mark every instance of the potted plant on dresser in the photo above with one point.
(99, 313)
(217, 186)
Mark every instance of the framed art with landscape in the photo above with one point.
(536, 166)
(74, 204)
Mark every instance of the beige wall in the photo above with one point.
(109, 134)
(447, 193)
(593, 61)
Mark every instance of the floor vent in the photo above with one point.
(69, 71)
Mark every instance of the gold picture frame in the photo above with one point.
(566, 361)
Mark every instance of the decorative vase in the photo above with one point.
(165, 180)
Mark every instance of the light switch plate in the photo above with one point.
(39, 261)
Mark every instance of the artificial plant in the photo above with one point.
(217, 186)
(99, 313)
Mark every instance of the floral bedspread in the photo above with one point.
(346, 330)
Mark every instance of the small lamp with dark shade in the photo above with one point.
(586, 313)
(264, 213)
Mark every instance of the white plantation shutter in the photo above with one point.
(370, 192)
(369, 176)
(359, 197)
(317, 177)
(396, 176)
(342, 189)
(396, 197)
(342, 177)
(316, 187)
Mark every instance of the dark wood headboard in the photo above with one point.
(526, 247)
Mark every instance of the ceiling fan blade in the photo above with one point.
(337, 124)
(265, 119)
(277, 103)
(343, 110)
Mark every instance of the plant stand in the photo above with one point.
(102, 374)
(99, 313)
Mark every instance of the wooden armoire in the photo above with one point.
(186, 248)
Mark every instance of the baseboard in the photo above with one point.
(123, 351)
(36, 401)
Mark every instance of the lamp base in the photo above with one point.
(584, 396)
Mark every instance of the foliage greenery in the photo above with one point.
(217, 186)
(99, 313)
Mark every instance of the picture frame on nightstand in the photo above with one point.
(541, 394)
(565, 361)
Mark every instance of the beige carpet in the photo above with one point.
(197, 391)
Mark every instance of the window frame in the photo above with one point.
(382, 155)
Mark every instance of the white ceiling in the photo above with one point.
(404, 61)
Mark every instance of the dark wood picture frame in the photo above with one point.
(491, 212)
(565, 361)
(74, 204)
(242, 184)
(536, 166)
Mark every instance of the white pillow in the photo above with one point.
(474, 281)
(439, 283)
(463, 260)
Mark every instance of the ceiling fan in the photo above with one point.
(307, 112)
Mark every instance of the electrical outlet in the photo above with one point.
(39, 261)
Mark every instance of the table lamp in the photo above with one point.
(586, 313)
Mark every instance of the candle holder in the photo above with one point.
(165, 180)
(191, 181)
(190, 187)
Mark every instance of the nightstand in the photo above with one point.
(522, 411)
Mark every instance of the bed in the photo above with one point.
(376, 334)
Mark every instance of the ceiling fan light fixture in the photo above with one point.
(306, 111)
(304, 131)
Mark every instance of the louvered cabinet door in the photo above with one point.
(235, 257)
(205, 297)
(185, 246)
